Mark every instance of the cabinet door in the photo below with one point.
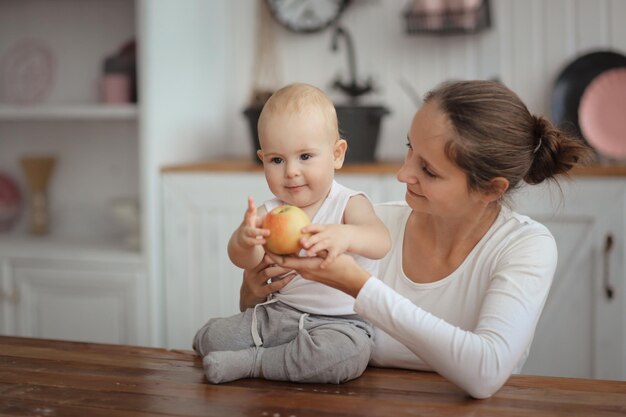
(70, 300)
(394, 190)
(581, 332)
(369, 184)
(200, 212)
(7, 296)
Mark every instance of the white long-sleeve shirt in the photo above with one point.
(474, 326)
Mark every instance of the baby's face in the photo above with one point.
(300, 154)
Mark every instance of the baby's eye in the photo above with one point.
(306, 156)
(276, 160)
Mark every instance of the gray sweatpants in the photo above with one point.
(327, 349)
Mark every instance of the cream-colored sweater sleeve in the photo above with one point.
(479, 360)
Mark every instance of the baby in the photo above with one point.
(307, 332)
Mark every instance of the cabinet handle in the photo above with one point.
(606, 279)
(11, 297)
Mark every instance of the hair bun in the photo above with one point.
(555, 152)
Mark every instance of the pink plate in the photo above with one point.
(26, 72)
(602, 113)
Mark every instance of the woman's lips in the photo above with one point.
(414, 194)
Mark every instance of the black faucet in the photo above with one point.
(353, 88)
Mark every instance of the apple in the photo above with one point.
(285, 224)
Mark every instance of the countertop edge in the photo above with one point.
(382, 167)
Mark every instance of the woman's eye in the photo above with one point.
(428, 172)
(276, 160)
(408, 145)
(305, 156)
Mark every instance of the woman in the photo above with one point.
(463, 287)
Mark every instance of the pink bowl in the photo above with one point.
(602, 113)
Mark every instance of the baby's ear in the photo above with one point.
(339, 152)
(259, 153)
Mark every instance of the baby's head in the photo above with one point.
(302, 101)
(300, 144)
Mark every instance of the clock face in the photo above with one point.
(306, 16)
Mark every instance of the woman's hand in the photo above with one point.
(261, 281)
(343, 273)
(332, 238)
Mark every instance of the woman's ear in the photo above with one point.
(339, 152)
(498, 187)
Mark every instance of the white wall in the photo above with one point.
(183, 51)
(198, 73)
(529, 44)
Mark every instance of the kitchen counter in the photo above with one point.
(45, 377)
(240, 165)
(386, 167)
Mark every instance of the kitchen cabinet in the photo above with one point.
(581, 333)
(106, 152)
(80, 282)
(96, 145)
(200, 212)
(87, 296)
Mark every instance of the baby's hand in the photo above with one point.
(250, 233)
(333, 239)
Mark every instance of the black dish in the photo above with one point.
(572, 82)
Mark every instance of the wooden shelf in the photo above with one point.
(69, 112)
(240, 165)
(62, 248)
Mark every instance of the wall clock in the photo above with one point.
(306, 16)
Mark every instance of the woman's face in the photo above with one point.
(435, 185)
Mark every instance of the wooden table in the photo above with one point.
(58, 378)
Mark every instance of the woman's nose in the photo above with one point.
(406, 174)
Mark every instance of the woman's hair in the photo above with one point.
(297, 98)
(496, 136)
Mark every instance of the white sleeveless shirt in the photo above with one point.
(313, 297)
